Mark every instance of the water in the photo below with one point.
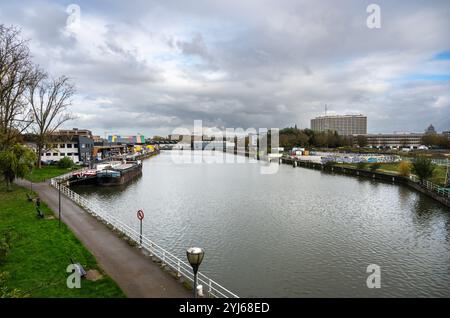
(296, 233)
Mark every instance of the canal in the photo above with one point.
(295, 233)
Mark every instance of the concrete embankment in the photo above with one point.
(368, 174)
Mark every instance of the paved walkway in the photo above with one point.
(135, 273)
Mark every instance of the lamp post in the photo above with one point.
(59, 203)
(195, 257)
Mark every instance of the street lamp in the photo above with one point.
(195, 257)
(59, 203)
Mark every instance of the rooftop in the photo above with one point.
(340, 116)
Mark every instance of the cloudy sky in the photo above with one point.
(151, 66)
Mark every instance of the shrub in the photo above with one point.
(5, 240)
(5, 292)
(404, 168)
(361, 165)
(423, 168)
(375, 166)
(329, 164)
(65, 162)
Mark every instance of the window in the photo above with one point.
(55, 153)
(62, 154)
(55, 146)
(69, 154)
(48, 154)
(69, 145)
(75, 145)
(83, 146)
(62, 146)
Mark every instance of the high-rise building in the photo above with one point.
(345, 125)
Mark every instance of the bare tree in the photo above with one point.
(50, 100)
(16, 75)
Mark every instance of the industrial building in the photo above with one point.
(395, 140)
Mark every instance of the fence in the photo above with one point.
(444, 192)
(167, 259)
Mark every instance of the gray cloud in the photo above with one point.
(151, 66)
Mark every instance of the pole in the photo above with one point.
(59, 203)
(140, 237)
(195, 283)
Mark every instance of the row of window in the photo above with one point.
(61, 154)
(55, 146)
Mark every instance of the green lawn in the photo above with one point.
(438, 176)
(40, 252)
(47, 172)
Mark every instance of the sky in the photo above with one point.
(153, 66)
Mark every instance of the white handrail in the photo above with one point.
(167, 259)
(432, 187)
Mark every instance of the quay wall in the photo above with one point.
(368, 174)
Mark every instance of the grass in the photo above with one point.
(40, 252)
(47, 172)
(438, 175)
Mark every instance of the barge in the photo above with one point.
(119, 174)
(113, 173)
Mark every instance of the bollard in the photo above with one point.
(200, 290)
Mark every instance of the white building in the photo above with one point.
(57, 151)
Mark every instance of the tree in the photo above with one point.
(404, 168)
(16, 161)
(49, 100)
(16, 75)
(430, 140)
(423, 168)
(361, 141)
(320, 140)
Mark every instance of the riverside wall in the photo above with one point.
(380, 176)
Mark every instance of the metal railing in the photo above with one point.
(444, 192)
(167, 259)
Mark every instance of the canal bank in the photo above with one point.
(374, 175)
(427, 190)
(133, 271)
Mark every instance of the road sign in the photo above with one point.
(140, 216)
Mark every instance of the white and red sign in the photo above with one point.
(140, 215)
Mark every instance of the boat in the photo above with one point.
(85, 177)
(119, 174)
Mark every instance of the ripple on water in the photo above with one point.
(297, 233)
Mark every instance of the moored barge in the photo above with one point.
(119, 174)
